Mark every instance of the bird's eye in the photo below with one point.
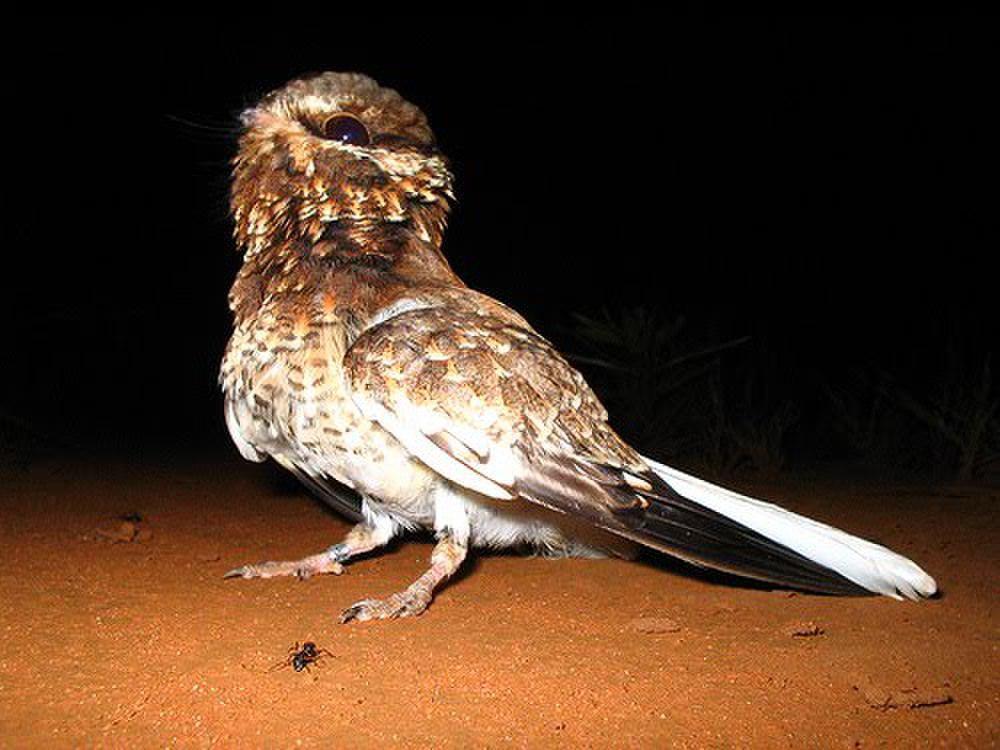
(346, 129)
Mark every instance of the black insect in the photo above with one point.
(300, 658)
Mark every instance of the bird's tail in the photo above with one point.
(721, 529)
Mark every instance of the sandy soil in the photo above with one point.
(126, 635)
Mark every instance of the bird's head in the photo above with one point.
(337, 167)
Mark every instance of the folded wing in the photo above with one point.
(486, 402)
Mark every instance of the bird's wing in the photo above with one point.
(485, 402)
(335, 494)
(479, 397)
(275, 377)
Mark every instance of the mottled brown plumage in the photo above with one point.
(358, 356)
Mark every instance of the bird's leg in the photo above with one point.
(445, 560)
(362, 538)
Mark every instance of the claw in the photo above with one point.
(241, 572)
(354, 612)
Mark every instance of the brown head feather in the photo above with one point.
(307, 206)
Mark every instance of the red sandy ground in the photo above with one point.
(141, 643)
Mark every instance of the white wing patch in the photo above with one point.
(414, 430)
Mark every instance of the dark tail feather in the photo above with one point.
(712, 527)
(333, 493)
(739, 534)
(676, 525)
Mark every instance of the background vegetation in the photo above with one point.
(679, 391)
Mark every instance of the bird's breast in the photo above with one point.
(286, 396)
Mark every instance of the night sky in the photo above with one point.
(826, 187)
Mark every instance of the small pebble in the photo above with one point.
(654, 625)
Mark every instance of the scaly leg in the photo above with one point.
(445, 560)
(362, 538)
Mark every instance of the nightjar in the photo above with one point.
(359, 358)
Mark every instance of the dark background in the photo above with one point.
(825, 187)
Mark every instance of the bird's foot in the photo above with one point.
(447, 556)
(409, 603)
(324, 562)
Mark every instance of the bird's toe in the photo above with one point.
(301, 569)
(403, 604)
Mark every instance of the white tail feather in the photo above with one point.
(867, 564)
